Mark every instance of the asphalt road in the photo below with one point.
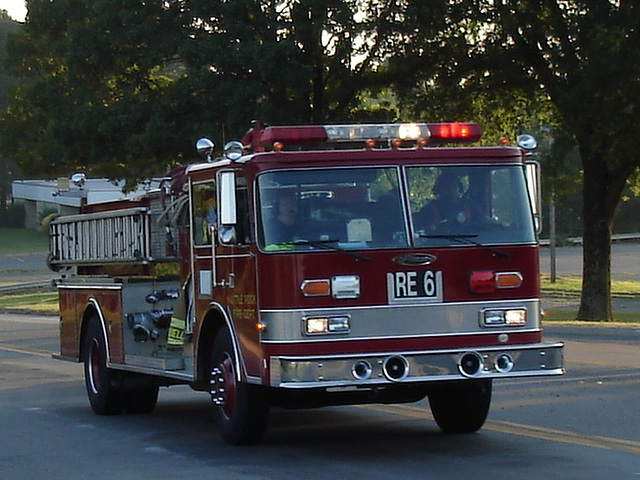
(584, 425)
(625, 261)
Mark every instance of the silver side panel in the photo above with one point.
(396, 321)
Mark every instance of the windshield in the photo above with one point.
(478, 204)
(362, 208)
(351, 208)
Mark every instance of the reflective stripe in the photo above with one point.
(175, 336)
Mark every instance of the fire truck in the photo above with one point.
(311, 266)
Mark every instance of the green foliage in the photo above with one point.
(122, 88)
(582, 58)
(7, 81)
(7, 84)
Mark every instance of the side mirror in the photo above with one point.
(227, 207)
(532, 172)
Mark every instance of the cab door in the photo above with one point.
(234, 269)
(204, 213)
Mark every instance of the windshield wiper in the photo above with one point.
(467, 239)
(324, 244)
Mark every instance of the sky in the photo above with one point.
(16, 8)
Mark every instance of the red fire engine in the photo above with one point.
(312, 266)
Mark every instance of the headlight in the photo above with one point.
(325, 325)
(491, 317)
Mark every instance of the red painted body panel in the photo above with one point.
(282, 274)
(73, 304)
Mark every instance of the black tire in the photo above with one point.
(103, 385)
(240, 410)
(461, 407)
(141, 400)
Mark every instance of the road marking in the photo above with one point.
(33, 319)
(11, 348)
(532, 431)
(602, 364)
(582, 439)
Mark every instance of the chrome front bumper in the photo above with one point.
(357, 371)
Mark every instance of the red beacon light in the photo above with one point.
(454, 132)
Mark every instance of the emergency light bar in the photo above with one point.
(421, 133)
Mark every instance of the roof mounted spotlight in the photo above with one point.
(233, 150)
(204, 146)
(79, 179)
(527, 142)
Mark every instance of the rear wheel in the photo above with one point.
(241, 410)
(141, 400)
(461, 407)
(103, 384)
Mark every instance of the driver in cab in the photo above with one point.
(447, 209)
(284, 226)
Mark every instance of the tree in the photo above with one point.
(584, 56)
(6, 85)
(95, 81)
(123, 88)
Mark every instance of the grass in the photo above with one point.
(564, 316)
(573, 285)
(35, 302)
(22, 240)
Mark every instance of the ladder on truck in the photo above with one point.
(119, 236)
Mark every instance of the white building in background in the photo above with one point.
(42, 197)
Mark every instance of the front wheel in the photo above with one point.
(240, 410)
(461, 406)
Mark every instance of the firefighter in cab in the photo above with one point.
(449, 206)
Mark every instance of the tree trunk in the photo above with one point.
(602, 190)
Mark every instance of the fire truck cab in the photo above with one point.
(312, 266)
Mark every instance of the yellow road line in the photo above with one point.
(585, 440)
(532, 431)
(602, 364)
(11, 348)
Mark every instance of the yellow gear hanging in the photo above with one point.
(175, 334)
